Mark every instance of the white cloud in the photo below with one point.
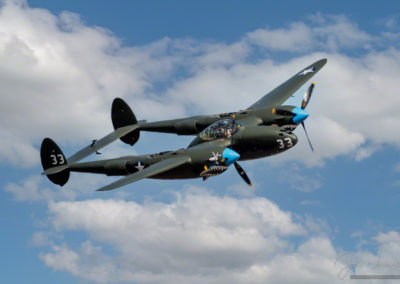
(365, 152)
(29, 190)
(385, 261)
(200, 238)
(59, 77)
(89, 261)
(38, 188)
(328, 33)
(338, 32)
(194, 234)
(317, 226)
(354, 102)
(297, 37)
(16, 150)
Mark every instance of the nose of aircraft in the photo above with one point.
(292, 136)
(299, 115)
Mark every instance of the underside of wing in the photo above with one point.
(280, 94)
(155, 169)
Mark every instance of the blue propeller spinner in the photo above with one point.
(299, 115)
(230, 156)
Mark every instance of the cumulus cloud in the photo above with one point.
(200, 238)
(385, 261)
(349, 93)
(324, 32)
(38, 188)
(59, 77)
(297, 37)
(89, 260)
(57, 74)
(365, 152)
(16, 150)
(29, 190)
(186, 242)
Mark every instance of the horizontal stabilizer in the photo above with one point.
(97, 145)
(155, 169)
(55, 170)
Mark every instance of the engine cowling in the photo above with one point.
(186, 127)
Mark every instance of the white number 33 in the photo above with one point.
(285, 143)
(57, 159)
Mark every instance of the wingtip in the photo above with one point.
(104, 188)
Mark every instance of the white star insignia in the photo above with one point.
(215, 156)
(139, 166)
(309, 70)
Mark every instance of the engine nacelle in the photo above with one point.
(186, 127)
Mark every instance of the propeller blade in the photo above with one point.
(243, 174)
(307, 96)
(309, 142)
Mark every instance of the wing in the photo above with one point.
(97, 145)
(155, 169)
(280, 94)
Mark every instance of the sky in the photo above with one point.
(312, 217)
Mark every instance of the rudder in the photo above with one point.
(122, 115)
(52, 156)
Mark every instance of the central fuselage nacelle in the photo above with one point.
(255, 142)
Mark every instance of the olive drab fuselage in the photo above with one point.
(251, 142)
(262, 129)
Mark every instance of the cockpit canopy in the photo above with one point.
(220, 129)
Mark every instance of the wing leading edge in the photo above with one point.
(152, 170)
(280, 94)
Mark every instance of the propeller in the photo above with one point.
(243, 174)
(304, 103)
(308, 139)
(307, 95)
(230, 157)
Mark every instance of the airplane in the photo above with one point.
(263, 129)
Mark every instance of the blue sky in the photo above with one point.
(63, 63)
